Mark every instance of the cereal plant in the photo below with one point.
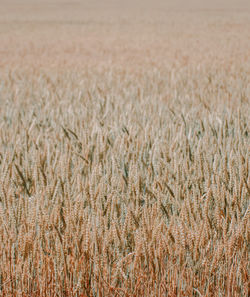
(124, 149)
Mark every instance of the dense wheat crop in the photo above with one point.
(124, 150)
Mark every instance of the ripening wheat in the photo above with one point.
(124, 152)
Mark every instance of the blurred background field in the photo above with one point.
(161, 33)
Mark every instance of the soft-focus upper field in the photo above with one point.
(124, 148)
(69, 34)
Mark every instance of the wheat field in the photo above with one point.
(124, 148)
